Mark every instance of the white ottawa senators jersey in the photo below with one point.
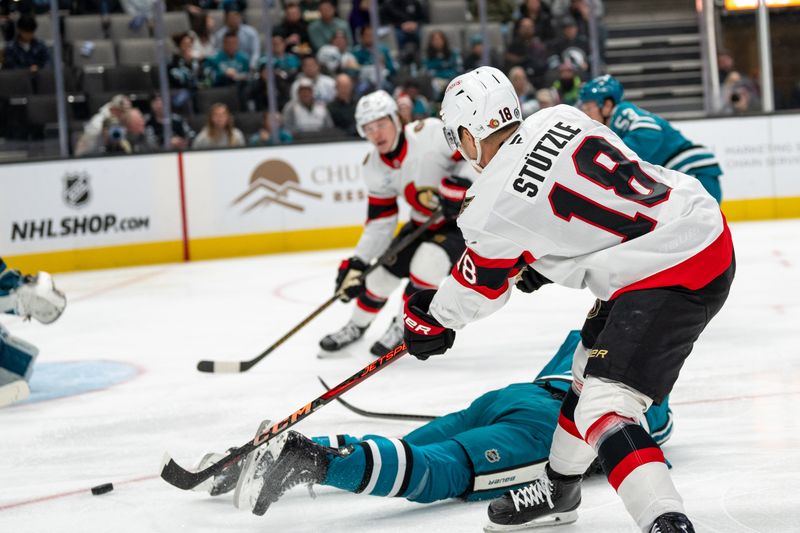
(414, 172)
(566, 196)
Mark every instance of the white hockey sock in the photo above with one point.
(569, 453)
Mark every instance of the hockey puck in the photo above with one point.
(102, 489)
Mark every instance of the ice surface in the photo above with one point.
(735, 449)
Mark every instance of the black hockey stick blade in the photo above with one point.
(376, 414)
(180, 477)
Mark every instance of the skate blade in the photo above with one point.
(557, 519)
(14, 392)
(338, 354)
(246, 486)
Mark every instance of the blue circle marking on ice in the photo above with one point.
(51, 381)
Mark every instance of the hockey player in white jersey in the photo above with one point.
(412, 162)
(561, 199)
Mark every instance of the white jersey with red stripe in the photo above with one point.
(566, 196)
(413, 172)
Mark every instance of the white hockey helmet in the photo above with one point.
(374, 106)
(482, 101)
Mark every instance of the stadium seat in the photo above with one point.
(44, 28)
(125, 78)
(120, 28)
(197, 122)
(175, 22)
(248, 122)
(82, 28)
(496, 40)
(102, 54)
(42, 110)
(225, 95)
(446, 11)
(46, 83)
(15, 83)
(137, 52)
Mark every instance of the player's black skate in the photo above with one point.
(672, 523)
(332, 343)
(284, 462)
(390, 339)
(228, 477)
(550, 500)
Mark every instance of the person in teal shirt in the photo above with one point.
(363, 51)
(229, 66)
(652, 138)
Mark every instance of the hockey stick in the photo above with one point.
(388, 257)
(176, 475)
(375, 414)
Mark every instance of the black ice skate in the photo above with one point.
(390, 339)
(227, 479)
(284, 462)
(672, 523)
(337, 340)
(550, 500)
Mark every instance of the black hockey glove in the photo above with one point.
(349, 280)
(452, 191)
(424, 335)
(530, 280)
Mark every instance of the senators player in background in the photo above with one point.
(562, 199)
(411, 162)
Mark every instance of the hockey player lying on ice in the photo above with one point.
(500, 441)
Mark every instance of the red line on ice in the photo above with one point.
(70, 493)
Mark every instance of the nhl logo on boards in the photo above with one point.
(77, 191)
(492, 455)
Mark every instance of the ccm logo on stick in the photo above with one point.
(415, 326)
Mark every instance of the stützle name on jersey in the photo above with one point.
(538, 162)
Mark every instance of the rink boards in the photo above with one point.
(115, 211)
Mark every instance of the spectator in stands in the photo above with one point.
(739, 95)
(219, 131)
(26, 51)
(474, 56)
(364, 57)
(127, 134)
(405, 109)
(324, 86)
(186, 72)
(282, 60)
(542, 19)
(182, 133)
(310, 9)
(570, 45)
(305, 113)
(336, 56)
(142, 13)
(496, 11)
(91, 141)
(359, 16)
(203, 45)
(248, 40)
(342, 108)
(420, 108)
(321, 31)
(581, 11)
(441, 62)
(568, 83)
(406, 16)
(527, 51)
(294, 30)
(725, 64)
(547, 97)
(264, 136)
(524, 90)
(229, 66)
